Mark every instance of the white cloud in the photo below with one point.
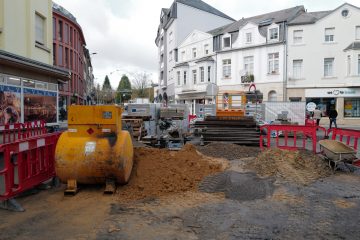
(123, 32)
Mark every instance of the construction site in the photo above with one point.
(238, 169)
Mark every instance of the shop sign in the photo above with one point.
(332, 92)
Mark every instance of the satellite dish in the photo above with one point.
(212, 89)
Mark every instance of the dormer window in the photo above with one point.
(227, 42)
(248, 38)
(274, 33)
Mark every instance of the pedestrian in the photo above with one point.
(332, 116)
(317, 115)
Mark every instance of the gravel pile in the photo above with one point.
(302, 167)
(228, 150)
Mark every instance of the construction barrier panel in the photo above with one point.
(26, 163)
(17, 131)
(290, 137)
(348, 136)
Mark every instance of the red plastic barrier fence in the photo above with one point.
(293, 137)
(348, 136)
(191, 117)
(17, 131)
(26, 163)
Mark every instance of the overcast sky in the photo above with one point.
(122, 32)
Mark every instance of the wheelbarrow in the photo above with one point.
(335, 152)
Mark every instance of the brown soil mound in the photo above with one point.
(159, 172)
(301, 167)
(228, 150)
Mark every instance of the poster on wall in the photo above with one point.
(10, 104)
(40, 105)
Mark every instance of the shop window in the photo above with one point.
(352, 107)
(323, 103)
(13, 81)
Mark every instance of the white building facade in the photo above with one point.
(176, 23)
(195, 69)
(324, 61)
(253, 50)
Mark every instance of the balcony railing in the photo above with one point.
(247, 79)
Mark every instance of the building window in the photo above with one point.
(249, 65)
(71, 60)
(60, 56)
(54, 28)
(170, 37)
(329, 34)
(206, 49)
(66, 57)
(202, 74)
(359, 64)
(71, 36)
(328, 67)
(274, 33)
(348, 65)
(227, 42)
(272, 96)
(54, 54)
(162, 75)
(298, 36)
(248, 38)
(184, 77)
(183, 55)
(209, 73)
(273, 63)
(194, 52)
(178, 78)
(194, 76)
(170, 56)
(357, 32)
(352, 107)
(60, 32)
(66, 33)
(39, 29)
(227, 68)
(297, 68)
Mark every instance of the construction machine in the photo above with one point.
(94, 149)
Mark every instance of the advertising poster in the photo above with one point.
(10, 104)
(40, 105)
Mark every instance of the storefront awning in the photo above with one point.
(13, 60)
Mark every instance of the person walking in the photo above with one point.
(317, 115)
(332, 116)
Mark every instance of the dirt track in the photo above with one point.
(326, 208)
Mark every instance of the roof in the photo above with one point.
(184, 64)
(205, 59)
(204, 7)
(218, 30)
(353, 46)
(309, 17)
(312, 17)
(63, 11)
(264, 19)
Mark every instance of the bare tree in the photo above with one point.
(141, 82)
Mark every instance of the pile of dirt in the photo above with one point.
(159, 172)
(302, 167)
(228, 150)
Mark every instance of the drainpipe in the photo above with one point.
(285, 74)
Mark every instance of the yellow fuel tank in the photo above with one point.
(94, 148)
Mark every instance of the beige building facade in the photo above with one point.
(28, 79)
